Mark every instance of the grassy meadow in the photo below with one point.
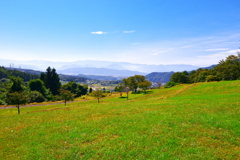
(193, 121)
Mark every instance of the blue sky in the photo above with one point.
(196, 32)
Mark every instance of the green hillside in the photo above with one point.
(193, 121)
(7, 73)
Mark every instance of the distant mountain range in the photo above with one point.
(78, 67)
(153, 77)
(100, 70)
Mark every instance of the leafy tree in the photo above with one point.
(126, 85)
(17, 98)
(35, 96)
(144, 85)
(186, 73)
(66, 95)
(51, 80)
(132, 83)
(97, 94)
(120, 88)
(159, 84)
(179, 77)
(82, 90)
(17, 84)
(135, 80)
(37, 85)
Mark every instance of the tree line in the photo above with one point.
(47, 87)
(228, 69)
(7, 73)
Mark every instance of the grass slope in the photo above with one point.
(196, 121)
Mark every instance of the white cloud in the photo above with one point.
(99, 32)
(129, 31)
(154, 54)
(199, 51)
(135, 43)
(233, 51)
(217, 49)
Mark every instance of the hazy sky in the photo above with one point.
(197, 32)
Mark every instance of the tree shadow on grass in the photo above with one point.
(148, 92)
(123, 97)
(142, 92)
(138, 92)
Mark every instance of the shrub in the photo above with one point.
(36, 96)
(170, 84)
(212, 78)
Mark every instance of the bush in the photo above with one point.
(212, 78)
(36, 96)
(170, 84)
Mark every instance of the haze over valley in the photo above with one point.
(91, 67)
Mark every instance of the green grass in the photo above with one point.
(196, 121)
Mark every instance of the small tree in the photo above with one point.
(97, 94)
(126, 89)
(126, 85)
(119, 88)
(144, 85)
(17, 98)
(66, 95)
(159, 84)
(90, 90)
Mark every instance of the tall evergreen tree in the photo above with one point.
(51, 80)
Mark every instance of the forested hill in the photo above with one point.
(7, 73)
(28, 74)
(29, 71)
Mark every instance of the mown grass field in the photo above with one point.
(195, 121)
